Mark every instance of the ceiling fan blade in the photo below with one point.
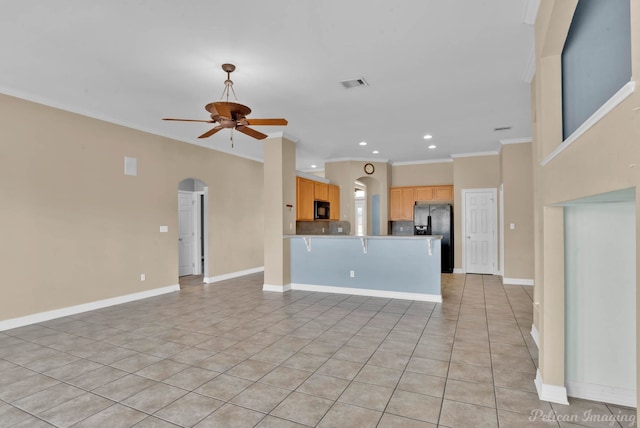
(281, 122)
(189, 120)
(210, 132)
(252, 132)
(223, 109)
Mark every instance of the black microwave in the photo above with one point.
(321, 210)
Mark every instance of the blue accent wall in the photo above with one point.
(375, 215)
(390, 264)
(596, 60)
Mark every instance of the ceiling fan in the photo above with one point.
(232, 115)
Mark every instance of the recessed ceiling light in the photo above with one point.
(375, 152)
(432, 146)
(428, 137)
(314, 166)
(363, 143)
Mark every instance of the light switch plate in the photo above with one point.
(512, 226)
(164, 229)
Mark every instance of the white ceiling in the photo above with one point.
(455, 69)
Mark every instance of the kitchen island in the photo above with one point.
(398, 267)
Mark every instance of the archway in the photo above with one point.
(360, 195)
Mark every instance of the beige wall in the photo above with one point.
(477, 172)
(599, 161)
(424, 174)
(280, 185)
(345, 173)
(77, 230)
(517, 179)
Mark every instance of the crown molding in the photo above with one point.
(312, 177)
(283, 134)
(355, 160)
(48, 103)
(421, 162)
(516, 140)
(530, 70)
(531, 12)
(475, 154)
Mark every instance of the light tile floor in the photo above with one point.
(231, 355)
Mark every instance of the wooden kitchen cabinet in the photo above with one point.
(334, 201)
(401, 201)
(304, 199)
(320, 191)
(423, 193)
(443, 193)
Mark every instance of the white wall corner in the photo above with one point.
(276, 288)
(530, 70)
(531, 12)
(232, 275)
(552, 393)
(535, 335)
(517, 281)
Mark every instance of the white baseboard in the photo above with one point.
(276, 288)
(535, 335)
(602, 393)
(72, 310)
(223, 277)
(517, 281)
(552, 393)
(458, 270)
(368, 292)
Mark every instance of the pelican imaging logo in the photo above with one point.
(588, 416)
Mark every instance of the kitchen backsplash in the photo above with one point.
(401, 227)
(323, 228)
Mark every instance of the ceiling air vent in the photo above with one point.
(354, 83)
(502, 128)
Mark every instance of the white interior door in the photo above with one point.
(186, 233)
(480, 231)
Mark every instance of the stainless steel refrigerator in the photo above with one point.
(436, 219)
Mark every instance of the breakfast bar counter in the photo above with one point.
(399, 267)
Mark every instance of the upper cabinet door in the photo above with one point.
(334, 201)
(423, 193)
(304, 199)
(443, 193)
(321, 191)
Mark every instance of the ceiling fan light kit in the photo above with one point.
(232, 115)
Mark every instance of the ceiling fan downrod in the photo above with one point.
(228, 84)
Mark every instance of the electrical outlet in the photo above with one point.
(352, 274)
(339, 230)
(142, 277)
(401, 228)
(512, 226)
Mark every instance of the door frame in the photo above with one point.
(194, 225)
(494, 195)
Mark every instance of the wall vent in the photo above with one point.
(502, 128)
(354, 83)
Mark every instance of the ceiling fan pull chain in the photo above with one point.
(231, 138)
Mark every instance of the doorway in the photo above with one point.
(479, 241)
(360, 208)
(192, 228)
(600, 297)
